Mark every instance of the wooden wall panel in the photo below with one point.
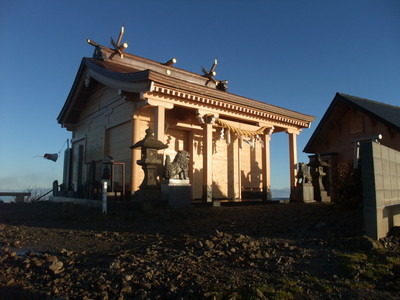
(220, 167)
(78, 149)
(176, 140)
(119, 139)
(95, 140)
(120, 113)
(251, 164)
(197, 157)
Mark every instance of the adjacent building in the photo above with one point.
(348, 121)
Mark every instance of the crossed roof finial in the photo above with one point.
(118, 47)
(220, 84)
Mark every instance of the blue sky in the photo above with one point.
(289, 53)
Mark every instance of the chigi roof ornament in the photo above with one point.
(221, 85)
(118, 47)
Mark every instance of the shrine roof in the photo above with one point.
(137, 74)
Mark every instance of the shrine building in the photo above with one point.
(116, 96)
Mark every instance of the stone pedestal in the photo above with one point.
(325, 197)
(177, 193)
(148, 199)
(305, 193)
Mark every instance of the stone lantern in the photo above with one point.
(317, 166)
(149, 159)
(149, 194)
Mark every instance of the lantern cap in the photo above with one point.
(149, 141)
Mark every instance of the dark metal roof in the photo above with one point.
(384, 113)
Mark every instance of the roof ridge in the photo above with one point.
(145, 59)
(367, 100)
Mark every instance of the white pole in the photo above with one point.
(104, 197)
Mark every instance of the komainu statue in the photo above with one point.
(303, 174)
(304, 189)
(179, 168)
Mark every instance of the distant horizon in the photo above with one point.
(283, 193)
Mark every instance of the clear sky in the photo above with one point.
(289, 53)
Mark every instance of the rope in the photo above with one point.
(40, 197)
(62, 146)
(238, 131)
(57, 153)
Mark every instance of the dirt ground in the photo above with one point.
(271, 251)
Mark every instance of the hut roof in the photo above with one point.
(382, 112)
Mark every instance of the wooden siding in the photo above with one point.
(353, 125)
(251, 162)
(197, 157)
(95, 140)
(119, 139)
(220, 167)
(176, 140)
(79, 171)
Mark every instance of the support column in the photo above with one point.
(207, 162)
(266, 167)
(135, 154)
(207, 119)
(233, 168)
(159, 122)
(292, 160)
(239, 166)
(159, 114)
(191, 163)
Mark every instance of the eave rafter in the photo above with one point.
(233, 109)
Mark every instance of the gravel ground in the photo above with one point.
(277, 251)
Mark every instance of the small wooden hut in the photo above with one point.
(348, 121)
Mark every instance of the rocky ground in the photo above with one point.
(276, 251)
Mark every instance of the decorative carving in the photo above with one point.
(222, 85)
(179, 168)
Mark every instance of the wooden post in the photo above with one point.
(104, 197)
(239, 166)
(159, 122)
(135, 154)
(191, 163)
(266, 167)
(207, 162)
(292, 160)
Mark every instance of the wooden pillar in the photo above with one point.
(159, 122)
(292, 160)
(135, 154)
(207, 162)
(191, 162)
(233, 174)
(239, 166)
(266, 167)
